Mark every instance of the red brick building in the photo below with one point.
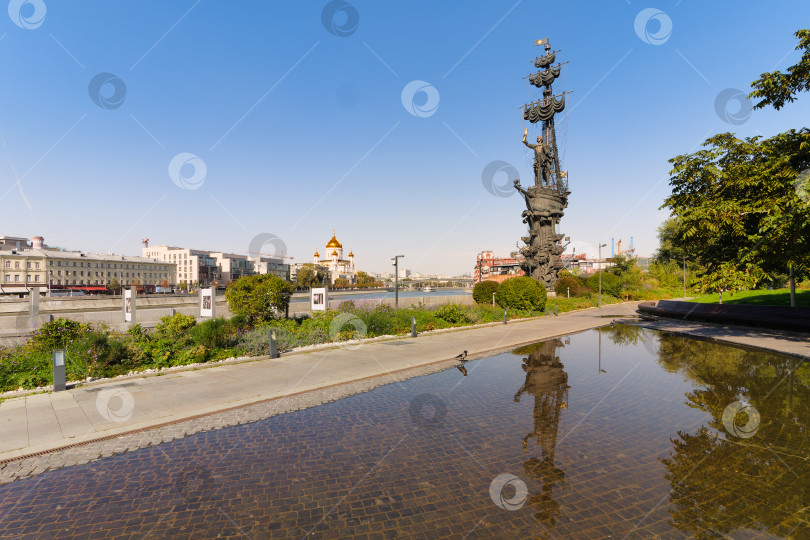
(491, 268)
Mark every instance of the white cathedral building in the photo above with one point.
(333, 261)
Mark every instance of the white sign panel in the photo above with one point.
(127, 305)
(207, 303)
(319, 300)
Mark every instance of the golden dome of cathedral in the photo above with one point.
(333, 243)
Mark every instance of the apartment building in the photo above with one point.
(76, 270)
(201, 267)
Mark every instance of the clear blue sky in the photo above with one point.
(302, 130)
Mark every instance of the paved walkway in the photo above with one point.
(45, 421)
(794, 343)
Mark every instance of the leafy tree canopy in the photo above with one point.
(777, 88)
(742, 208)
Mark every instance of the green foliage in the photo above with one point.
(114, 285)
(210, 334)
(611, 284)
(174, 327)
(483, 291)
(259, 297)
(521, 293)
(567, 285)
(778, 88)
(452, 313)
(310, 275)
(57, 334)
(741, 205)
(365, 281)
(669, 248)
(668, 274)
(741, 214)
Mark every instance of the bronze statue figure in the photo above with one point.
(543, 159)
(548, 197)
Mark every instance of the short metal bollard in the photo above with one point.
(555, 309)
(273, 344)
(413, 326)
(59, 370)
(504, 315)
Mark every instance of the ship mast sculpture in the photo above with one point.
(548, 197)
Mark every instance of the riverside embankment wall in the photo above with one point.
(15, 319)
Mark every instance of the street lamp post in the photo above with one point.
(396, 279)
(684, 277)
(600, 273)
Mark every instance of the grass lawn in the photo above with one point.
(777, 297)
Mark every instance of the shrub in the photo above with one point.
(259, 297)
(211, 334)
(174, 326)
(567, 285)
(611, 284)
(57, 334)
(483, 290)
(521, 293)
(452, 313)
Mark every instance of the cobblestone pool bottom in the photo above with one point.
(609, 432)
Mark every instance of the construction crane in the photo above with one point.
(145, 242)
(628, 252)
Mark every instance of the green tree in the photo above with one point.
(183, 286)
(310, 275)
(777, 88)
(742, 204)
(739, 211)
(611, 283)
(365, 281)
(668, 249)
(342, 283)
(114, 286)
(259, 297)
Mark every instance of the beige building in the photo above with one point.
(75, 270)
(200, 267)
(193, 266)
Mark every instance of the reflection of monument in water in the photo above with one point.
(547, 382)
(548, 197)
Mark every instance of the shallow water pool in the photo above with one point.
(616, 432)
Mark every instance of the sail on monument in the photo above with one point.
(547, 199)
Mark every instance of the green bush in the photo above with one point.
(211, 334)
(452, 313)
(611, 284)
(259, 297)
(57, 334)
(174, 326)
(483, 291)
(522, 293)
(566, 285)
